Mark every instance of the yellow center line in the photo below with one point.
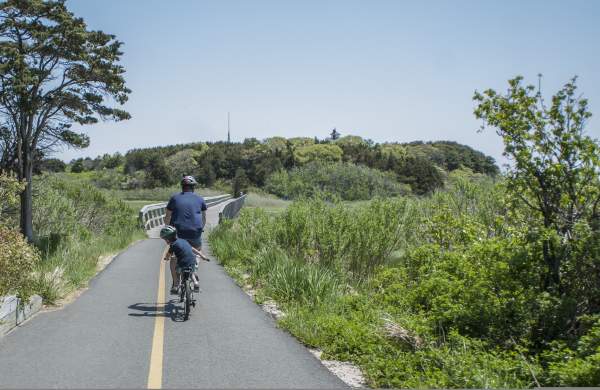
(156, 356)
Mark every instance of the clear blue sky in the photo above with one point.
(386, 70)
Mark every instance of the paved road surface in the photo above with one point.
(109, 336)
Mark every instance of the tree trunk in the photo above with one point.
(27, 195)
(552, 260)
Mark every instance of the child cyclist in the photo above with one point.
(183, 251)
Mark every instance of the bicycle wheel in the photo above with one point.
(187, 300)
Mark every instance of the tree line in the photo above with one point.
(420, 165)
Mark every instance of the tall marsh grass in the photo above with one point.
(454, 269)
(75, 224)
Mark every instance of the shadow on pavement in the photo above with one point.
(168, 310)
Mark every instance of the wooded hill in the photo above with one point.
(281, 165)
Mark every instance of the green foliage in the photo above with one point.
(289, 280)
(554, 181)
(347, 181)
(349, 329)
(55, 72)
(319, 152)
(206, 174)
(442, 291)
(77, 166)
(66, 208)
(578, 366)
(51, 165)
(75, 223)
(294, 167)
(157, 173)
(10, 188)
(111, 179)
(395, 150)
(452, 155)
(420, 173)
(183, 163)
(240, 183)
(420, 166)
(17, 261)
(480, 290)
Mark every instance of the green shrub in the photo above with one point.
(456, 275)
(344, 180)
(74, 224)
(17, 262)
(10, 188)
(476, 291)
(576, 366)
(460, 362)
(65, 208)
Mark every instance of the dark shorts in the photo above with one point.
(195, 242)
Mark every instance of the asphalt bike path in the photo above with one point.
(125, 331)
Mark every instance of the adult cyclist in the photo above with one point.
(186, 211)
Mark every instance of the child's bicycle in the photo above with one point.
(186, 291)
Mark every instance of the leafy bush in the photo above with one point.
(457, 270)
(17, 261)
(347, 181)
(64, 208)
(184, 162)
(10, 188)
(75, 223)
(111, 179)
(349, 329)
(576, 366)
(482, 291)
(322, 153)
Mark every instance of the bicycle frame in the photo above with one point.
(186, 293)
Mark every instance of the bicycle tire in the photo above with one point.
(187, 301)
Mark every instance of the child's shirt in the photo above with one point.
(183, 251)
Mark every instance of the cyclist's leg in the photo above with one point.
(197, 244)
(174, 276)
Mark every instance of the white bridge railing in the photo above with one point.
(153, 215)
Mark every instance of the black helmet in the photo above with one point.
(188, 181)
(168, 232)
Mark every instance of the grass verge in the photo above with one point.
(419, 293)
(76, 225)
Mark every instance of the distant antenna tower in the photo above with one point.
(228, 129)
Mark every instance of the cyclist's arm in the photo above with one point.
(168, 255)
(199, 253)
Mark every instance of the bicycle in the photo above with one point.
(186, 291)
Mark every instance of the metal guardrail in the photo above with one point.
(232, 208)
(153, 215)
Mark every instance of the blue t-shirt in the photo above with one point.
(183, 251)
(186, 217)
